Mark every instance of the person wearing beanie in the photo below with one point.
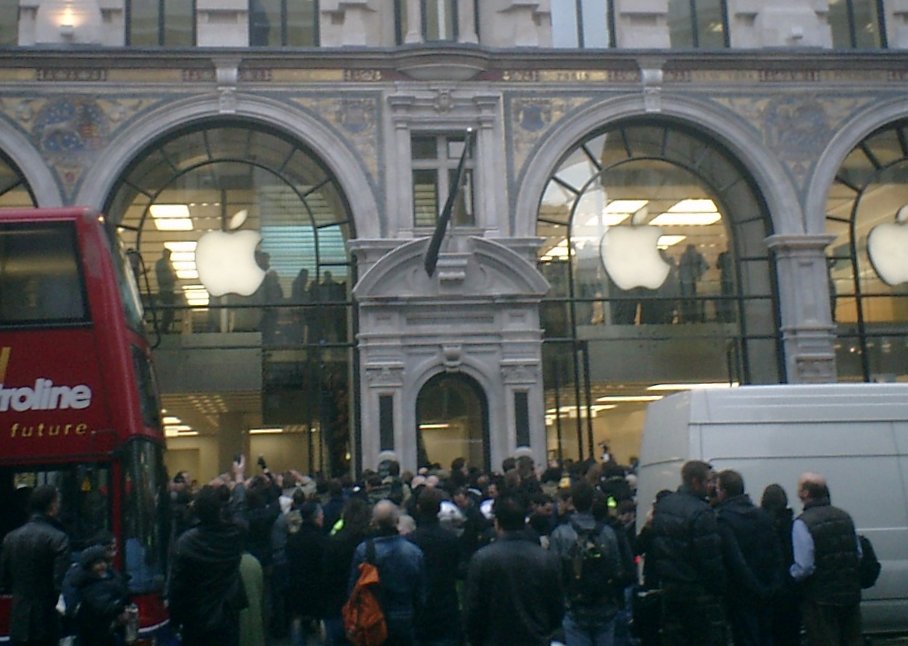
(101, 613)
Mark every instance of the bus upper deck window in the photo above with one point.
(40, 279)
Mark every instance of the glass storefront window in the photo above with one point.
(660, 277)
(867, 212)
(231, 203)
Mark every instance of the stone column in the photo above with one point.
(808, 331)
(414, 22)
(466, 17)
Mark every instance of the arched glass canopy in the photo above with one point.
(867, 212)
(242, 232)
(660, 280)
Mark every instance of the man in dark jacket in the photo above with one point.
(827, 555)
(753, 560)
(687, 555)
(34, 561)
(206, 592)
(514, 593)
(438, 620)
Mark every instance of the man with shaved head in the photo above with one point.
(827, 556)
(401, 570)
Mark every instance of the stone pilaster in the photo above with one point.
(808, 332)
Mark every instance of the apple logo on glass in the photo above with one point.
(226, 259)
(631, 256)
(887, 247)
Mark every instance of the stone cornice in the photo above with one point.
(778, 64)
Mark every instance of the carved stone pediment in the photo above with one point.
(478, 268)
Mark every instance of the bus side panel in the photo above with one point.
(52, 400)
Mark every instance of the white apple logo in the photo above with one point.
(631, 256)
(226, 260)
(887, 247)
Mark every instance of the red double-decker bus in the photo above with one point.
(78, 402)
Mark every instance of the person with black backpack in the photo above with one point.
(591, 570)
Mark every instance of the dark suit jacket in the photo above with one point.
(34, 561)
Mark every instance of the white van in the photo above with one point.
(856, 435)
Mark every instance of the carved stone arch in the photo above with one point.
(32, 165)
(317, 136)
(491, 390)
(849, 135)
(711, 120)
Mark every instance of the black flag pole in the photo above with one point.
(441, 227)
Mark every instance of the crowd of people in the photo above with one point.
(520, 556)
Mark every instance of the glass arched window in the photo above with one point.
(867, 212)
(857, 24)
(660, 279)
(242, 232)
(701, 24)
(583, 23)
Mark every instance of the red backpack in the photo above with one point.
(364, 620)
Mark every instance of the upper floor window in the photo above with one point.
(434, 164)
(698, 23)
(283, 23)
(437, 20)
(583, 23)
(160, 23)
(9, 29)
(857, 24)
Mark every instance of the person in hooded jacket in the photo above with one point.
(102, 593)
(206, 592)
(753, 561)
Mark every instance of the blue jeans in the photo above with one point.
(599, 635)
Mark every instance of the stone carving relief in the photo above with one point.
(797, 127)
(357, 116)
(531, 117)
(71, 131)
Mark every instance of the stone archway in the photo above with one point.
(452, 421)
